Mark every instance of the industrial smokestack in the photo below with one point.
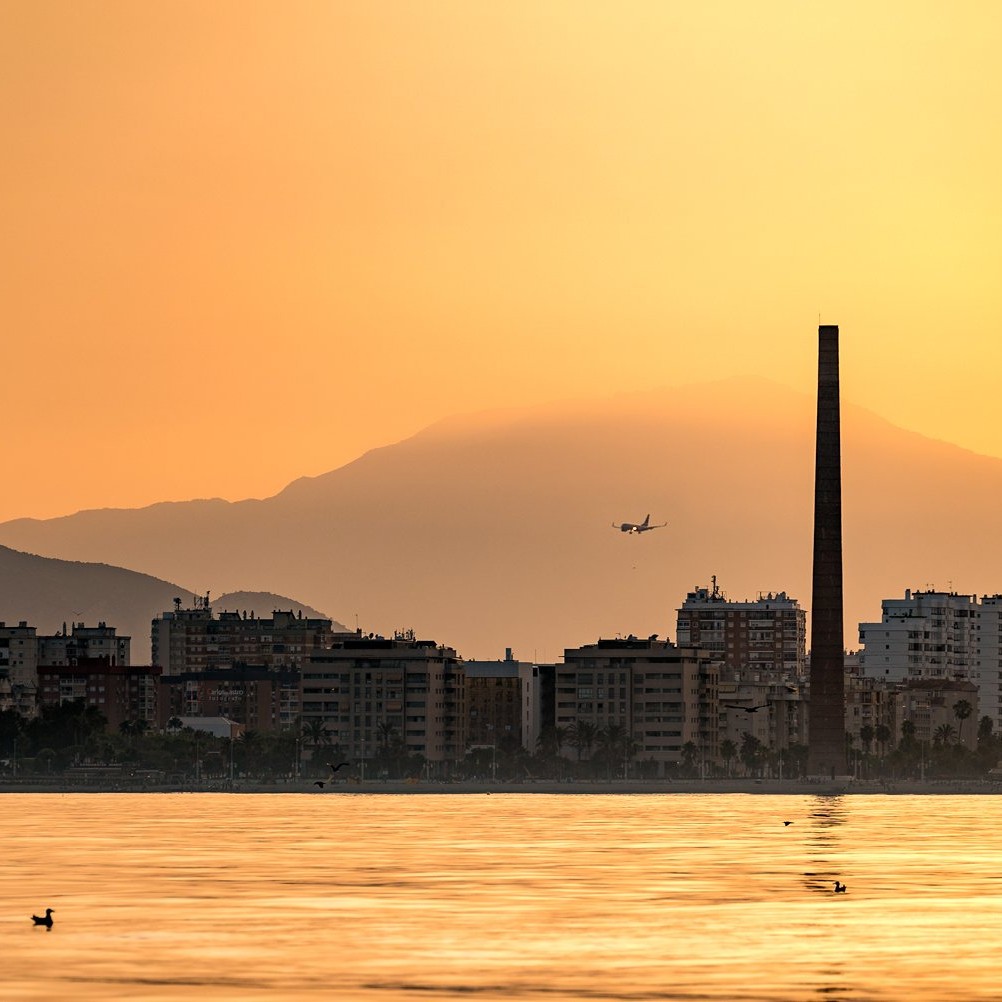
(826, 753)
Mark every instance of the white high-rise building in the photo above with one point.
(989, 681)
(926, 634)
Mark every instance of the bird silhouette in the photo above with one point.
(839, 888)
(787, 823)
(747, 709)
(334, 768)
(319, 783)
(47, 921)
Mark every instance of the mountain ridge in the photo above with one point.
(492, 530)
(49, 593)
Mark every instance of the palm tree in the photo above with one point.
(174, 725)
(316, 733)
(866, 734)
(962, 709)
(728, 750)
(751, 751)
(985, 728)
(943, 735)
(581, 735)
(883, 734)
(385, 732)
(611, 740)
(689, 754)
(586, 735)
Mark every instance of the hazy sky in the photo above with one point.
(245, 241)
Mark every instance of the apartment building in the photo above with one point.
(493, 703)
(769, 633)
(989, 674)
(925, 635)
(929, 703)
(193, 639)
(19, 667)
(121, 692)
(82, 641)
(660, 696)
(371, 691)
(763, 704)
(257, 697)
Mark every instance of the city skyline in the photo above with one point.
(235, 224)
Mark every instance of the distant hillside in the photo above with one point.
(494, 530)
(46, 593)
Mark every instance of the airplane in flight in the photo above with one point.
(634, 527)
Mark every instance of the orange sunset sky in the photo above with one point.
(243, 241)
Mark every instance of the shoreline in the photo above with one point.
(981, 787)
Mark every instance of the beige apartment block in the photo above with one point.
(662, 696)
(370, 691)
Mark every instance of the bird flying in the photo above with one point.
(320, 783)
(334, 768)
(747, 709)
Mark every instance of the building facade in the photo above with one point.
(123, 693)
(256, 697)
(193, 639)
(763, 705)
(494, 698)
(989, 678)
(925, 635)
(930, 704)
(658, 696)
(18, 668)
(767, 634)
(101, 641)
(376, 693)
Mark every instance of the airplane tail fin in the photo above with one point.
(646, 521)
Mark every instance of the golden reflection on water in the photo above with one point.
(428, 897)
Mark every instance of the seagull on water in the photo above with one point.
(787, 823)
(47, 921)
(839, 888)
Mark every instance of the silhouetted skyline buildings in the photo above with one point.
(827, 731)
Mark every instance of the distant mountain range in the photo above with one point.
(48, 593)
(494, 530)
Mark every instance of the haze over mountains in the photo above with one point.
(48, 593)
(494, 530)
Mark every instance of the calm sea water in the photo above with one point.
(427, 897)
